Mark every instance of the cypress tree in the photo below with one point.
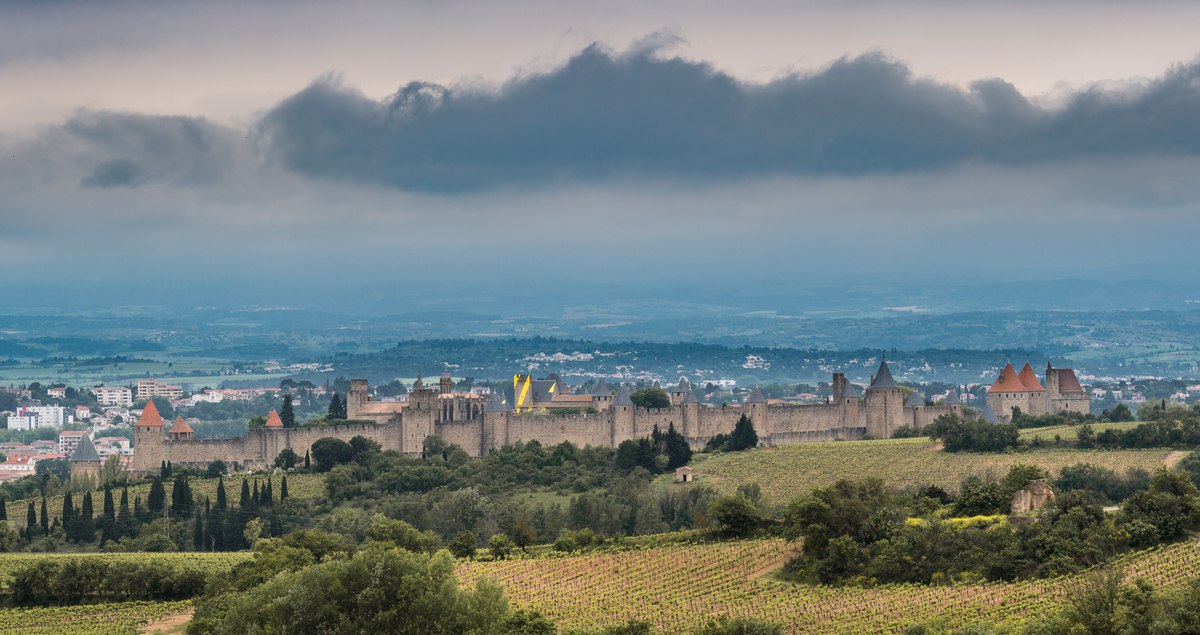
(139, 514)
(336, 410)
(181, 498)
(45, 518)
(245, 502)
(30, 522)
(221, 503)
(306, 462)
(198, 532)
(283, 489)
(268, 498)
(124, 522)
(68, 516)
(3, 510)
(157, 499)
(287, 414)
(162, 469)
(108, 520)
(87, 519)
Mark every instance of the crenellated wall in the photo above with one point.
(880, 413)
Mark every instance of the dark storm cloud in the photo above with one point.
(108, 149)
(606, 115)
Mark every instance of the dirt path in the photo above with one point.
(171, 624)
(1174, 457)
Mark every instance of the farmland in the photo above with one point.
(786, 472)
(678, 588)
(89, 619)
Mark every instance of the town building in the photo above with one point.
(147, 388)
(1061, 394)
(113, 395)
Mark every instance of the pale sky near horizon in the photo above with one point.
(972, 140)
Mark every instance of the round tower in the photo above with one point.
(149, 444)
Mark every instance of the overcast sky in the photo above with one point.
(217, 146)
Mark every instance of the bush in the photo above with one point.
(330, 452)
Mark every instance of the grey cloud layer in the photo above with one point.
(606, 115)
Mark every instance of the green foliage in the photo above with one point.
(651, 398)
(973, 434)
(1103, 481)
(287, 459)
(735, 516)
(75, 580)
(500, 546)
(1171, 505)
(377, 590)
(330, 452)
(743, 437)
(287, 412)
(401, 534)
(463, 545)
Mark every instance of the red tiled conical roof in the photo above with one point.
(150, 416)
(181, 427)
(1008, 381)
(273, 420)
(1029, 379)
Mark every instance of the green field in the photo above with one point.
(189, 373)
(1070, 433)
(89, 619)
(786, 472)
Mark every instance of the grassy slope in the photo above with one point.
(678, 588)
(786, 472)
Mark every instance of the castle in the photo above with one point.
(1061, 394)
(548, 412)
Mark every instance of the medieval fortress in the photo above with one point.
(548, 412)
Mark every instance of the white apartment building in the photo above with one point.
(147, 388)
(113, 395)
(68, 440)
(30, 417)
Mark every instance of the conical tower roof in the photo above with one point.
(952, 399)
(85, 451)
(623, 397)
(684, 385)
(987, 413)
(916, 399)
(883, 378)
(601, 389)
(496, 403)
(1029, 379)
(273, 420)
(756, 396)
(180, 427)
(1008, 381)
(150, 416)
(689, 396)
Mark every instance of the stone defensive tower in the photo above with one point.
(148, 440)
(883, 404)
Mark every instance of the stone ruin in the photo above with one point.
(1032, 498)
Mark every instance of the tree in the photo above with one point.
(3, 510)
(744, 437)
(45, 518)
(651, 398)
(463, 545)
(287, 414)
(156, 501)
(108, 519)
(329, 452)
(500, 546)
(735, 515)
(306, 460)
(401, 534)
(125, 522)
(87, 520)
(287, 459)
(30, 522)
(337, 408)
(409, 593)
(215, 469)
(181, 497)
